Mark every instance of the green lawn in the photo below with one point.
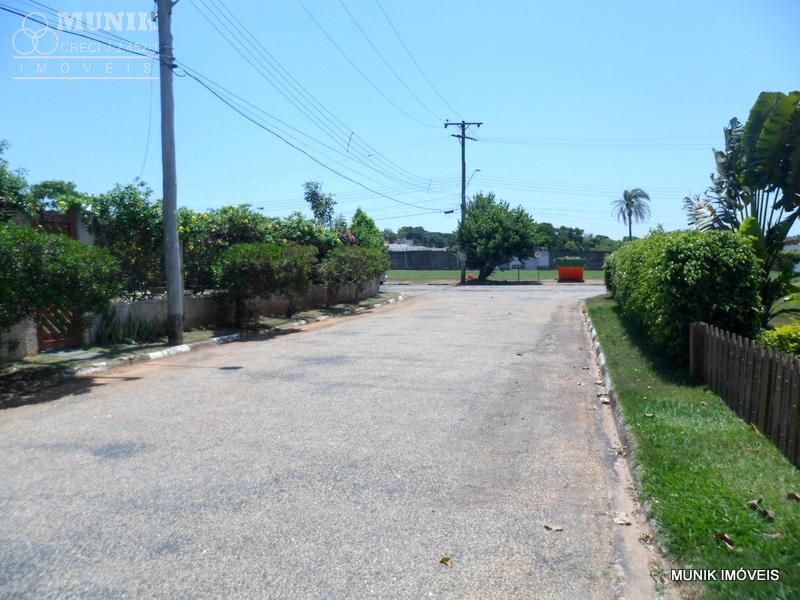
(700, 466)
(526, 275)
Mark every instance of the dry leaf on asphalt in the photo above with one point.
(447, 561)
(554, 528)
(726, 539)
(622, 519)
(793, 496)
(599, 382)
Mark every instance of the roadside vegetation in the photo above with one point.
(722, 494)
(700, 465)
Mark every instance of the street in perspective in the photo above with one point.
(346, 460)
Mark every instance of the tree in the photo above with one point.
(632, 207)
(492, 234)
(13, 189)
(756, 191)
(389, 235)
(367, 233)
(56, 194)
(321, 204)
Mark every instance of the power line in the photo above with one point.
(360, 72)
(414, 60)
(386, 62)
(290, 144)
(242, 40)
(196, 76)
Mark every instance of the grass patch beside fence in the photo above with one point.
(700, 466)
(396, 276)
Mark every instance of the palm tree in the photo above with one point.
(632, 207)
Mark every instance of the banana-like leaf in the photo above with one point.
(770, 140)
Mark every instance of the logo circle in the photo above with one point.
(35, 36)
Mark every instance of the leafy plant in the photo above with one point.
(40, 271)
(353, 264)
(570, 261)
(786, 338)
(295, 273)
(493, 234)
(366, 232)
(246, 271)
(668, 280)
(14, 198)
(130, 225)
(757, 188)
(321, 204)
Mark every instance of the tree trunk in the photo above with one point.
(484, 272)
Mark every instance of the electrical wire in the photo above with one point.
(359, 71)
(414, 60)
(294, 92)
(386, 62)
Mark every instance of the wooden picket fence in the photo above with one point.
(759, 383)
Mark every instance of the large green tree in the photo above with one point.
(493, 234)
(367, 233)
(633, 206)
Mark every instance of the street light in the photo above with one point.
(471, 176)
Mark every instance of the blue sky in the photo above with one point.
(579, 100)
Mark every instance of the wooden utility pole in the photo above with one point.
(463, 137)
(172, 248)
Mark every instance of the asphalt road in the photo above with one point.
(342, 461)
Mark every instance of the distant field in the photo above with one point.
(527, 275)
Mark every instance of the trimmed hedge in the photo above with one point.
(786, 338)
(570, 261)
(353, 264)
(666, 281)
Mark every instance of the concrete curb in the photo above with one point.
(629, 448)
(93, 369)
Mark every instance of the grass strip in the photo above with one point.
(700, 465)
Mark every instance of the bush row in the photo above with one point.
(247, 271)
(666, 281)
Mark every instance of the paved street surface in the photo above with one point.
(342, 461)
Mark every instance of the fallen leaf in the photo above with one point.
(599, 382)
(605, 401)
(775, 535)
(554, 528)
(726, 539)
(793, 496)
(764, 512)
(703, 403)
(579, 383)
(622, 519)
(649, 414)
(447, 561)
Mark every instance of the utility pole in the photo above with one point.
(172, 248)
(463, 137)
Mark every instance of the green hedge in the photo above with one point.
(40, 271)
(570, 261)
(668, 280)
(786, 338)
(353, 264)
